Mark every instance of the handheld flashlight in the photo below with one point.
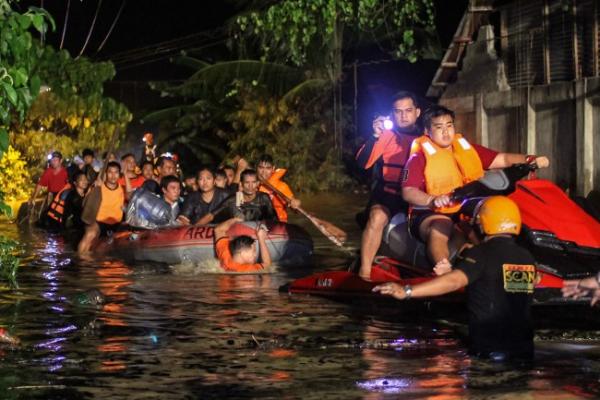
(387, 123)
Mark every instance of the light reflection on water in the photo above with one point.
(164, 335)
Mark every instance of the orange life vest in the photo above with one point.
(390, 152)
(279, 204)
(57, 207)
(111, 205)
(449, 168)
(226, 258)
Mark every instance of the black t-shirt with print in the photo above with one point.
(195, 207)
(501, 278)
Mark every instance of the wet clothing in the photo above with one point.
(393, 202)
(146, 210)
(259, 209)
(501, 277)
(194, 207)
(111, 205)
(279, 205)
(152, 186)
(54, 180)
(232, 188)
(73, 209)
(226, 258)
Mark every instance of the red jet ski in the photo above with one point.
(564, 239)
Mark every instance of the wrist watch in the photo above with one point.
(407, 292)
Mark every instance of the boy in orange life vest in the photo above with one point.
(239, 254)
(440, 162)
(108, 210)
(266, 172)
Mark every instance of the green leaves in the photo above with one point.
(308, 32)
(10, 92)
(9, 260)
(3, 143)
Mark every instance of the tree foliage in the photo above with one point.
(19, 82)
(314, 34)
(307, 32)
(250, 107)
(73, 114)
(15, 179)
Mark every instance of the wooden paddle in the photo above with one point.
(331, 232)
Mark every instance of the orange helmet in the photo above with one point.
(498, 214)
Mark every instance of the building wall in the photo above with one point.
(561, 121)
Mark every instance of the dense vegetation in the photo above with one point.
(284, 96)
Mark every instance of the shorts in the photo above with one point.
(393, 202)
(107, 229)
(416, 218)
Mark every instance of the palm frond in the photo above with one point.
(190, 62)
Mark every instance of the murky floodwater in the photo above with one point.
(162, 334)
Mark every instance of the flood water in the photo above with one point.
(162, 334)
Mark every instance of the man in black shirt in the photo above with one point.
(500, 278)
(254, 205)
(202, 206)
(74, 203)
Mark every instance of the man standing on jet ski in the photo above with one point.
(387, 150)
(440, 162)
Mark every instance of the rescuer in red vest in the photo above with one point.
(387, 151)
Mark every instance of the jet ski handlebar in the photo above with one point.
(494, 182)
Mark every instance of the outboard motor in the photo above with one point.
(147, 210)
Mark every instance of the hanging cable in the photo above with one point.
(91, 29)
(112, 26)
(152, 59)
(62, 38)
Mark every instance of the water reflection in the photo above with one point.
(164, 335)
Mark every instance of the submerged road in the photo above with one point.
(157, 331)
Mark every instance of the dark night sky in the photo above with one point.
(144, 24)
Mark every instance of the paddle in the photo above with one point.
(331, 232)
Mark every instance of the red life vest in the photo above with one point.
(57, 207)
(390, 152)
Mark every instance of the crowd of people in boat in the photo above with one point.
(97, 198)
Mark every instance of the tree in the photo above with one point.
(19, 85)
(19, 81)
(313, 34)
(73, 113)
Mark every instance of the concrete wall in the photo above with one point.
(560, 120)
